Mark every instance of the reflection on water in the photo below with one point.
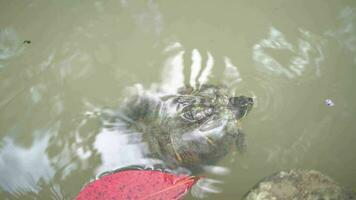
(119, 148)
(232, 75)
(172, 73)
(22, 168)
(307, 53)
(146, 15)
(346, 32)
(10, 44)
(196, 67)
(206, 186)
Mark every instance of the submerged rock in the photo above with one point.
(299, 185)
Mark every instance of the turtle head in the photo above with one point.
(240, 106)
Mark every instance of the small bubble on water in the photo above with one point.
(329, 102)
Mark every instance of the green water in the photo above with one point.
(290, 55)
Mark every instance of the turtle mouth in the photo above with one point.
(240, 106)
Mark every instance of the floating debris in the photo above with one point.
(27, 42)
(329, 102)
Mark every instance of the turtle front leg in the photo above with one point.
(240, 141)
(240, 138)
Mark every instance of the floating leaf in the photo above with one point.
(138, 185)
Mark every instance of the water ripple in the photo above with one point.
(305, 54)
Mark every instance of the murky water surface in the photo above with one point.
(293, 57)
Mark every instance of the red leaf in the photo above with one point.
(138, 185)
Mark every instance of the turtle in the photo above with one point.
(191, 128)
